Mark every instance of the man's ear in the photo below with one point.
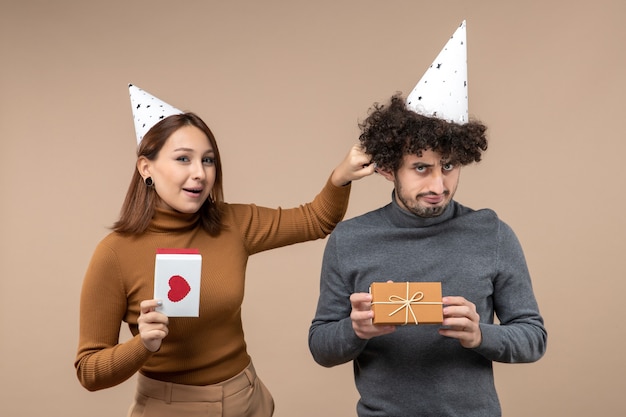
(388, 175)
(143, 166)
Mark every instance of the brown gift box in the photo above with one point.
(401, 303)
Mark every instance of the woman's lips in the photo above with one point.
(194, 192)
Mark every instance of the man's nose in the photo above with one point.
(435, 182)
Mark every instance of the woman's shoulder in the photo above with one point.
(115, 241)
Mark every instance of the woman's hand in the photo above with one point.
(152, 325)
(355, 166)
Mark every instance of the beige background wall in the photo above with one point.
(283, 85)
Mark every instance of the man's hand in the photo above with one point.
(460, 321)
(362, 315)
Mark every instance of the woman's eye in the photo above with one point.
(208, 161)
(182, 159)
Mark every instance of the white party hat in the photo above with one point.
(147, 110)
(442, 91)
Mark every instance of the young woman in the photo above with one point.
(189, 365)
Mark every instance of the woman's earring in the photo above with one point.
(149, 182)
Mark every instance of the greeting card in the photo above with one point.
(177, 281)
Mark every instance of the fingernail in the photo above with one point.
(159, 303)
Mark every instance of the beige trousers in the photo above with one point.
(243, 395)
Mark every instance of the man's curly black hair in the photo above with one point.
(392, 131)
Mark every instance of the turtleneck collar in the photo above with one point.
(167, 221)
(401, 217)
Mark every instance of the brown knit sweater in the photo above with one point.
(198, 350)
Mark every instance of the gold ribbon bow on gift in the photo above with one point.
(407, 303)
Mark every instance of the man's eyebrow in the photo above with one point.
(421, 164)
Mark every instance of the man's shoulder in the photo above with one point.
(482, 219)
(369, 218)
(485, 213)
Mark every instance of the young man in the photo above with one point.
(425, 235)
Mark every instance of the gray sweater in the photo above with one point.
(415, 371)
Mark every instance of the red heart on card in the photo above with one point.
(179, 288)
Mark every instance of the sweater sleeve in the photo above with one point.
(520, 335)
(268, 228)
(101, 361)
(332, 340)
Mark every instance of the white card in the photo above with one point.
(177, 281)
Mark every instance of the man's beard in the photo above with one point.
(421, 211)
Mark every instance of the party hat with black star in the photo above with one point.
(442, 90)
(147, 110)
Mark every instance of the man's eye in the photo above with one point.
(420, 169)
(448, 167)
